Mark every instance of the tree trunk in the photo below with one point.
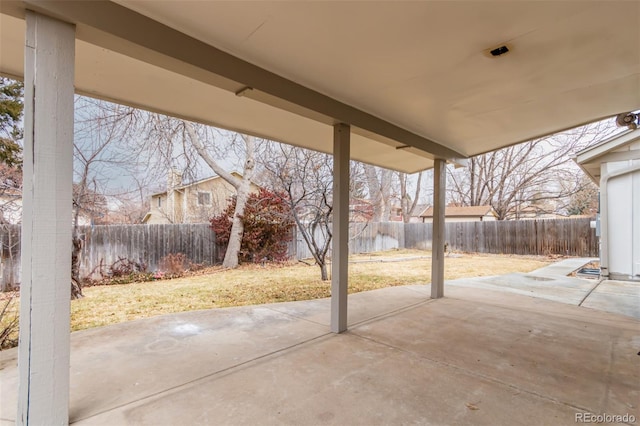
(379, 192)
(406, 204)
(76, 242)
(76, 287)
(242, 186)
(237, 228)
(323, 271)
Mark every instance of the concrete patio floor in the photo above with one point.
(554, 283)
(480, 356)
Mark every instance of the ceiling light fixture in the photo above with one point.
(498, 51)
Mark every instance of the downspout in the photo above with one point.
(604, 216)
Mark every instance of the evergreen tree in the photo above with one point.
(11, 110)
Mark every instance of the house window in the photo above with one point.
(159, 202)
(204, 198)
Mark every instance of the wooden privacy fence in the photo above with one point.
(105, 244)
(569, 237)
(363, 238)
(148, 244)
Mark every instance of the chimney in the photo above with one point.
(174, 179)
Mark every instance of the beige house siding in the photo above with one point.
(462, 214)
(158, 210)
(194, 203)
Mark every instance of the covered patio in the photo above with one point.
(408, 86)
(483, 356)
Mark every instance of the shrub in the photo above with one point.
(8, 320)
(126, 271)
(125, 267)
(267, 224)
(122, 271)
(175, 265)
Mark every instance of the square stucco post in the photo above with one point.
(340, 255)
(437, 249)
(45, 290)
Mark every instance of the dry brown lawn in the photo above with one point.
(254, 284)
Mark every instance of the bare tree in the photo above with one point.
(130, 208)
(585, 200)
(127, 210)
(10, 194)
(538, 174)
(10, 214)
(306, 177)
(379, 186)
(387, 189)
(174, 143)
(241, 185)
(104, 166)
(361, 208)
(98, 125)
(408, 204)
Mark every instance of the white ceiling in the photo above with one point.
(421, 66)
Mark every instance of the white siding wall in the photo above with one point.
(623, 220)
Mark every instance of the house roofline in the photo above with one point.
(589, 159)
(197, 182)
(616, 141)
(489, 209)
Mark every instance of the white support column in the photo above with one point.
(340, 255)
(45, 291)
(437, 249)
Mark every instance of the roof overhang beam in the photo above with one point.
(122, 30)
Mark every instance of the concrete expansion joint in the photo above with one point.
(299, 317)
(466, 371)
(358, 323)
(391, 313)
(219, 373)
(586, 296)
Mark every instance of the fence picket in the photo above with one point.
(150, 243)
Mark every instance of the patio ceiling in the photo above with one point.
(410, 75)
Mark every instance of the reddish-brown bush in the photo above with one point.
(267, 224)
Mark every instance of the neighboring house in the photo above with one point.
(396, 213)
(462, 214)
(615, 166)
(415, 217)
(196, 202)
(11, 210)
(532, 212)
(360, 210)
